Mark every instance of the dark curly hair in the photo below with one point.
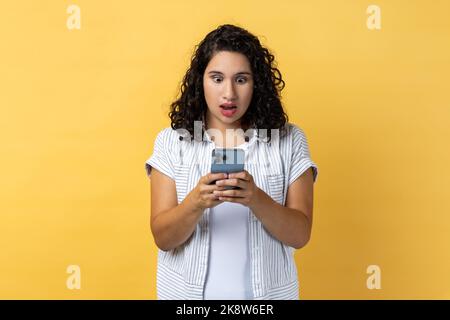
(265, 110)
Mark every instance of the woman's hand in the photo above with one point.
(202, 195)
(247, 195)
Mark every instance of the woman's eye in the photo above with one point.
(239, 80)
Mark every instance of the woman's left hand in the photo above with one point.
(248, 193)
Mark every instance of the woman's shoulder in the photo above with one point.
(167, 135)
(293, 132)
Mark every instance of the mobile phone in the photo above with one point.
(227, 160)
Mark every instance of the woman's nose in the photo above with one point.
(229, 91)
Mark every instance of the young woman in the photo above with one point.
(230, 244)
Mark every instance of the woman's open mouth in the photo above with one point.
(228, 111)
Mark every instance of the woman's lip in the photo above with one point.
(228, 112)
(228, 105)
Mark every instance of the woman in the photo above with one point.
(230, 244)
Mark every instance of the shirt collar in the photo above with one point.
(252, 134)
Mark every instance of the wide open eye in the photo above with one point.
(241, 80)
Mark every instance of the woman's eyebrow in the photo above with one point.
(239, 73)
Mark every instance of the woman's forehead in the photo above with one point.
(229, 62)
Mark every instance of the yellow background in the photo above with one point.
(80, 110)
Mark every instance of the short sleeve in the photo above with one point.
(301, 159)
(159, 158)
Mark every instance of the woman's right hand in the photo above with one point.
(202, 195)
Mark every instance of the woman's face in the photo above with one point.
(227, 80)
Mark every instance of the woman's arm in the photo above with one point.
(291, 224)
(172, 223)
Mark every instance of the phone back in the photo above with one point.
(227, 160)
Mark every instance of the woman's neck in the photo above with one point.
(227, 137)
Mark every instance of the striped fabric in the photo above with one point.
(274, 166)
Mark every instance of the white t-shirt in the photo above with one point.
(228, 276)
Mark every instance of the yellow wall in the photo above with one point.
(80, 110)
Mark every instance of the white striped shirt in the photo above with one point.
(274, 165)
